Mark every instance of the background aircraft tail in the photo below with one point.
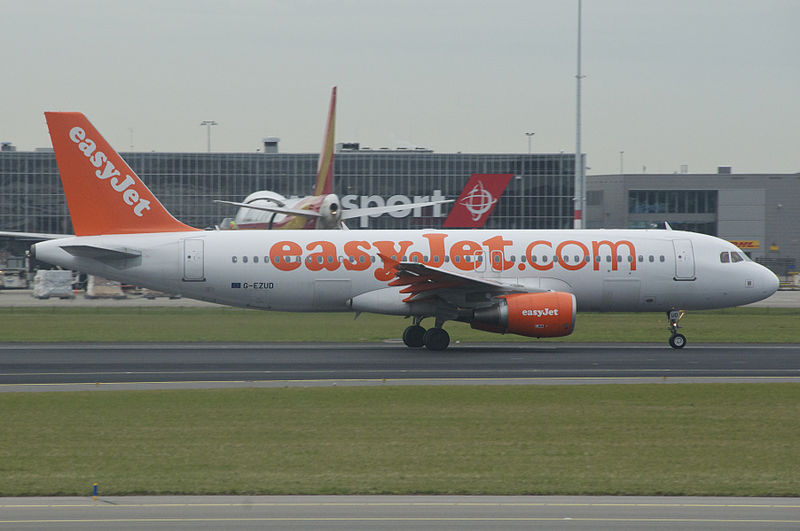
(104, 195)
(477, 200)
(324, 184)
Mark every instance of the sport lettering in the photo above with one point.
(107, 171)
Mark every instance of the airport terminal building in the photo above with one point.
(540, 196)
(758, 212)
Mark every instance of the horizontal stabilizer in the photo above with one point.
(101, 253)
(38, 236)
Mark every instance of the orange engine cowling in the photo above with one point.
(550, 314)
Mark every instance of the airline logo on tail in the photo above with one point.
(130, 196)
(477, 200)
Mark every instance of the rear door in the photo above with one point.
(193, 270)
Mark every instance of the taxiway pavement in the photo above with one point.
(399, 512)
(69, 366)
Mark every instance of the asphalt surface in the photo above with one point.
(51, 366)
(400, 512)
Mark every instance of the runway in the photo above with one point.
(46, 367)
(400, 512)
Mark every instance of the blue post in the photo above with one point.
(94, 491)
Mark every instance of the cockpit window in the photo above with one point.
(724, 257)
(736, 257)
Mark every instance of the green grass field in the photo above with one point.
(762, 325)
(690, 439)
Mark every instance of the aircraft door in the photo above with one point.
(193, 260)
(684, 260)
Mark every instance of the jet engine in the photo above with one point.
(548, 314)
(330, 212)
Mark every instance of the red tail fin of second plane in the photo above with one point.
(325, 165)
(104, 195)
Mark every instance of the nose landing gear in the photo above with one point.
(676, 340)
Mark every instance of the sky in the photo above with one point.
(700, 83)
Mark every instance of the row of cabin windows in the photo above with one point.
(478, 258)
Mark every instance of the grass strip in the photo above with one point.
(693, 439)
(748, 325)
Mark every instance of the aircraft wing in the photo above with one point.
(278, 209)
(38, 236)
(423, 282)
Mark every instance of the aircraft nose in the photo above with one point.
(770, 281)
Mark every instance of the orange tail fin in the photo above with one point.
(325, 165)
(104, 195)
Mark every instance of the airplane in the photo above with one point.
(266, 209)
(525, 282)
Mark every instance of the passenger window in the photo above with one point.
(641, 258)
(244, 259)
(652, 258)
(456, 259)
(566, 259)
(630, 258)
(608, 258)
(234, 259)
(736, 257)
(255, 259)
(661, 258)
(724, 257)
(266, 259)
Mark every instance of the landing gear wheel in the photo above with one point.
(413, 336)
(436, 339)
(677, 341)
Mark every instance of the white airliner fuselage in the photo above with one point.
(606, 270)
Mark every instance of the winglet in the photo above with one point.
(325, 165)
(104, 195)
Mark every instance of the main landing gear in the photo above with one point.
(676, 340)
(436, 338)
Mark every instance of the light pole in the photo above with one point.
(208, 124)
(621, 165)
(580, 172)
(530, 136)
